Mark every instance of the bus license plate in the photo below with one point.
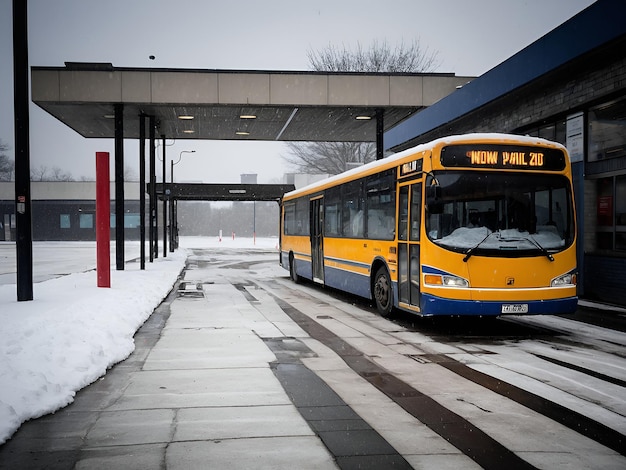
(514, 308)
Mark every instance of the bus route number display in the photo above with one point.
(408, 168)
(503, 157)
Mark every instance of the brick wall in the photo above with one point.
(569, 90)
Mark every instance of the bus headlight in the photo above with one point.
(568, 279)
(445, 280)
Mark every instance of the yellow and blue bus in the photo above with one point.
(478, 224)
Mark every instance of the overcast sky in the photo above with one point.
(470, 38)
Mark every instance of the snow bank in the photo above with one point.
(71, 333)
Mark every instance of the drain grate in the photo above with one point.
(190, 288)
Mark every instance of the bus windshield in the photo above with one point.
(503, 214)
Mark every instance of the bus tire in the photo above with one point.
(292, 269)
(383, 294)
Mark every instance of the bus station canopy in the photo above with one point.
(235, 105)
(222, 192)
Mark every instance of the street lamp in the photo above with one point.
(173, 204)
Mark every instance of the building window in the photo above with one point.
(554, 131)
(609, 220)
(85, 221)
(131, 220)
(607, 130)
(604, 214)
(64, 221)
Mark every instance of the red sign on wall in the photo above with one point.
(605, 210)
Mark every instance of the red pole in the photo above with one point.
(103, 220)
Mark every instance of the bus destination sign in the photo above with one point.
(503, 157)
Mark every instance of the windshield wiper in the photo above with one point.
(541, 248)
(469, 252)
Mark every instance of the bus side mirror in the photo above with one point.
(434, 203)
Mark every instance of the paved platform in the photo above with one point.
(216, 381)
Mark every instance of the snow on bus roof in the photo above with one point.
(453, 139)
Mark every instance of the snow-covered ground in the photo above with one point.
(73, 331)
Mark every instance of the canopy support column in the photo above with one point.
(164, 204)
(119, 187)
(152, 177)
(23, 214)
(380, 129)
(142, 191)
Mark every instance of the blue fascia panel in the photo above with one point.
(595, 26)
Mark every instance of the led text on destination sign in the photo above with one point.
(503, 157)
(494, 157)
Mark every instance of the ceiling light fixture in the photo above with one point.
(109, 116)
(242, 133)
(186, 117)
(363, 118)
(247, 116)
(189, 131)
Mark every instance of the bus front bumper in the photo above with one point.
(432, 305)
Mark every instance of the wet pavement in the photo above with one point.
(198, 392)
(226, 374)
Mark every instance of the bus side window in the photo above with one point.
(416, 211)
(289, 224)
(403, 221)
(357, 224)
(352, 209)
(380, 205)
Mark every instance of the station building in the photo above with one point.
(63, 211)
(569, 86)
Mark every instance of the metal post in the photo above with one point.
(142, 190)
(171, 202)
(175, 218)
(119, 187)
(103, 220)
(23, 215)
(380, 129)
(164, 205)
(152, 188)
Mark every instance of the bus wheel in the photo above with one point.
(382, 292)
(292, 269)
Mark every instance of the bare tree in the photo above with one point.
(130, 174)
(333, 158)
(39, 174)
(328, 157)
(59, 175)
(7, 166)
(379, 57)
(43, 173)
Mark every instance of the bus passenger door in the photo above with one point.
(409, 222)
(317, 239)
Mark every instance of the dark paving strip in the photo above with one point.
(242, 288)
(353, 443)
(565, 416)
(462, 434)
(592, 373)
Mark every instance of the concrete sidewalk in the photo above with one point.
(215, 381)
(197, 392)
